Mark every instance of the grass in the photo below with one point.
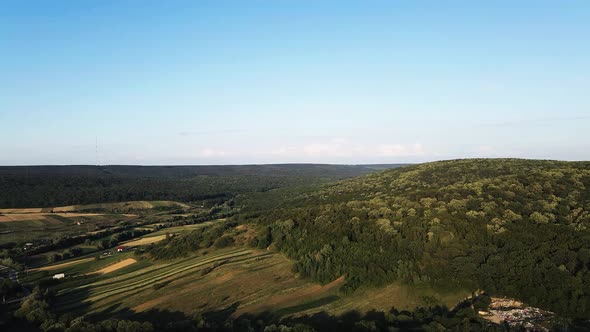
(252, 280)
(78, 266)
(398, 295)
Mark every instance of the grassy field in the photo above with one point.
(61, 266)
(76, 266)
(248, 280)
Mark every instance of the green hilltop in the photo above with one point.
(510, 227)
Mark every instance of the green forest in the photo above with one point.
(517, 228)
(48, 186)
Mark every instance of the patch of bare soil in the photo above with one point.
(116, 266)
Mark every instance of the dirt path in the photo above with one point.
(62, 265)
(116, 266)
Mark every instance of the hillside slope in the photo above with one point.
(518, 228)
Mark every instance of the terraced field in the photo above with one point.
(237, 275)
(116, 266)
(245, 279)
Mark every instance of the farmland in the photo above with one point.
(244, 279)
(39, 225)
(83, 210)
(32, 227)
(63, 265)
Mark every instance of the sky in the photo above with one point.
(292, 81)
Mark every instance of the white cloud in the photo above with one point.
(344, 148)
(397, 150)
(316, 149)
(485, 149)
(208, 152)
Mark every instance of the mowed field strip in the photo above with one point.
(112, 288)
(144, 241)
(116, 266)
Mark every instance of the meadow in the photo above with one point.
(243, 279)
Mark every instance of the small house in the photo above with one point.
(59, 276)
(120, 249)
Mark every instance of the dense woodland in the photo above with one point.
(48, 186)
(518, 228)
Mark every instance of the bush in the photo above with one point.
(224, 241)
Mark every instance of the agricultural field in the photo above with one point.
(36, 224)
(117, 207)
(243, 279)
(62, 266)
(47, 226)
(86, 265)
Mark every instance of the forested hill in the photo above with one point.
(44, 186)
(518, 228)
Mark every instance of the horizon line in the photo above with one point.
(292, 163)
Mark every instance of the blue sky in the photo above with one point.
(233, 82)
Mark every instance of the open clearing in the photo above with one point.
(62, 265)
(116, 266)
